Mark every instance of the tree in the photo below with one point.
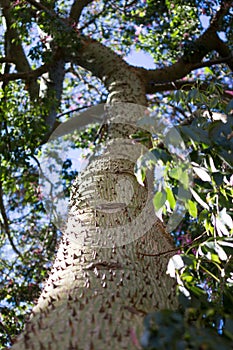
(101, 287)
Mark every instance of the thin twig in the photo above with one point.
(175, 249)
(25, 75)
(6, 222)
(212, 62)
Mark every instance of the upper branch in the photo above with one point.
(116, 74)
(209, 41)
(15, 50)
(184, 84)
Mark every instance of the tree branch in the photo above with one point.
(27, 75)
(207, 42)
(39, 6)
(224, 51)
(187, 85)
(153, 86)
(76, 9)
(213, 62)
(94, 56)
(6, 223)
(16, 52)
(6, 60)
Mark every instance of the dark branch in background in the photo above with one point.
(93, 19)
(58, 123)
(75, 12)
(224, 51)
(39, 6)
(56, 71)
(5, 223)
(213, 62)
(186, 85)
(27, 75)
(73, 111)
(16, 52)
(76, 9)
(54, 90)
(6, 65)
(6, 60)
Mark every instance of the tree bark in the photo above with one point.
(102, 283)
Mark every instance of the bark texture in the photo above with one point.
(102, 284)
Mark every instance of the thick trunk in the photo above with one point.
(102, 284)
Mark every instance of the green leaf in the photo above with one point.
(208, 70)
(221, 253)
(215, 258)
(184, 179)
(175, 263)
(140, 175)
(187, 277)
(196, 291)
(192, 208)
(199, 200)
(202, 173)
(192, 94)
(175, 173)
(170, 197)
(195, 133)
(220, 227)
(159, 200)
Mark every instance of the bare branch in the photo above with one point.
(54, 90)
(154, 80)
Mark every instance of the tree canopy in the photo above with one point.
(58, 59)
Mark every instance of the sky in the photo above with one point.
(140, 58)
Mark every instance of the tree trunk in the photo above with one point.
(102, 283)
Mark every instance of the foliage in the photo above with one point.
(203, 264)
(189, 330)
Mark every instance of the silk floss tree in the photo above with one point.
(96, 285)
(110, 268)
